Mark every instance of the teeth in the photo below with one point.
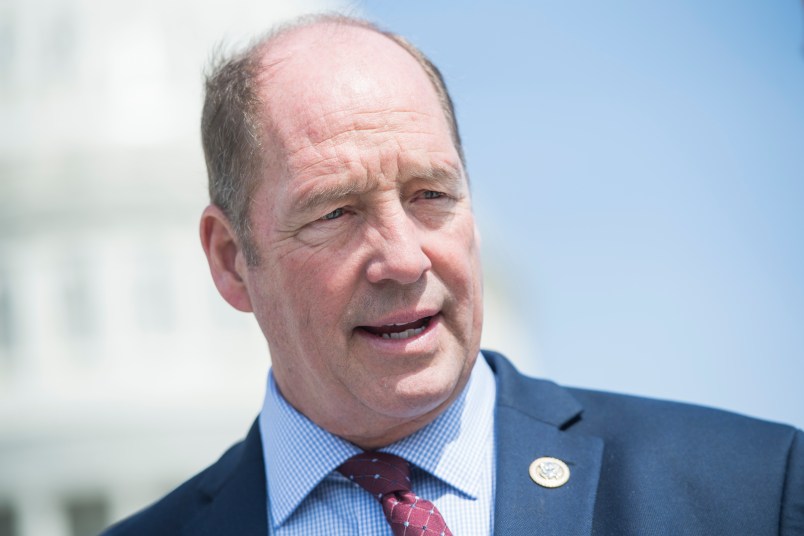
(403, 334)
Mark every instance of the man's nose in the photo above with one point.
(398, 253)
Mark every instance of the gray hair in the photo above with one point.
(231, 128)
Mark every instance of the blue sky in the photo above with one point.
(638, 175)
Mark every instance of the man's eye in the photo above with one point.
(337, 213)
(430, 194)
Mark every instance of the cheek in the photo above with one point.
(457, 254)
(318, 285)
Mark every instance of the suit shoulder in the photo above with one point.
(168, 514)
(592, 410)
(615, 415)
(683, 467)
(698, 452)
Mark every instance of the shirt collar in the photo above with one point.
(450, 448)
(453, 446)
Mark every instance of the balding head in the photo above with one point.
(234, 122)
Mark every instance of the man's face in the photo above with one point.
(368, 288)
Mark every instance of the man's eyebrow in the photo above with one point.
(328, 194)
(325, 194)
(440, 175)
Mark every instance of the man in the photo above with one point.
(341, 218)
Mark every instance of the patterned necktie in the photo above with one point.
(387, 477)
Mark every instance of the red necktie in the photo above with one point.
(387, 477)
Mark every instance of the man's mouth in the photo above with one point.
(399, 331)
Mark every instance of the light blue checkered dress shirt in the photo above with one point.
(452, 462)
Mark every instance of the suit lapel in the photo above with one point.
(233, 493)
(534, 419)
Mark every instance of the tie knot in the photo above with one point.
(379, 473)
(387, 477)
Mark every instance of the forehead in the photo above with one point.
(331, 83)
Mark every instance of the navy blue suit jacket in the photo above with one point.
(638, 467)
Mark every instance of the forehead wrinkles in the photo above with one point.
(342, 138)
(337, 124)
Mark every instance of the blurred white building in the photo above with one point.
(122, 372)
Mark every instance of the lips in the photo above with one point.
(399, 331)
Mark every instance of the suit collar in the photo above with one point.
(534, 418)
(541, 400)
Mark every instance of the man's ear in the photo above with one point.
(227, 260)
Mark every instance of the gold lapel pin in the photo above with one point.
(549, 472)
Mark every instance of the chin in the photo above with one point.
(414, 398)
